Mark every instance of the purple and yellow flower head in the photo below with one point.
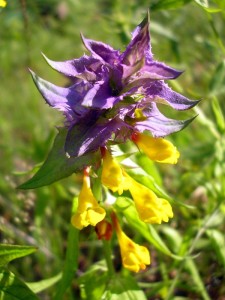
(114, 97)
(114, 94)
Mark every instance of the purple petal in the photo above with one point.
(100, 96)
(159, 71)
(76, 67)
(88, 135)
(128, 71)
(66, 100)
(159, 125)
(139, 46)
(159, 92)
(101, 50)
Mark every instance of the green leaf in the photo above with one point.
(123, 288)
(203, 3)
(168, 4)
(12, 288)
(216, 85)
(172, 236)
(218, 114)
(10, 252)
(218, 243)
(199, 284)
(44, 284)
(149, 167)
(93, 282)
(58, 165)
(126, 206)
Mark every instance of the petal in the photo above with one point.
(95, 215)
(100, 96)
(159, 91)
(157, 149)
(134, 256)
(64, 99)
(112, 174)
(159, 125)
(88, 211)
(150, 209)
(88, 217)
(101, 50)
(130, 70)
(136, 260)
(88, 135)
(157, 70)
(76, 67)
(139, 47)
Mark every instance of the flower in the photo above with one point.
(157, 149)
(150, 208)
(134, 257)
(88, 211)
(3, 3)
(104, 230)
(109, 92)
(112, 174)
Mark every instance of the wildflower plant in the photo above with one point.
(114, 100)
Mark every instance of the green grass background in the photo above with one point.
(186, 37)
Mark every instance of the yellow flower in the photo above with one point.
(157, 149)
(134, 257)
(88, 211)
(3, 3)
(112, 174)
(150, 208)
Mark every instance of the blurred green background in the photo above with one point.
(184, 36)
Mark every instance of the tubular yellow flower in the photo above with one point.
(150, 208)
(134, 257)
(112, 174)
(157, 149)
(88, 212)
(3, 3)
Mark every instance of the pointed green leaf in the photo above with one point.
(216, 85)
(197, 279)
(12, 288)
(10, 252)
(44, 284)
(218, 114)
(203, 3)
(58, 165)
(218, 243)
(168, 4)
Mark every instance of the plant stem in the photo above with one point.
(108, 257)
